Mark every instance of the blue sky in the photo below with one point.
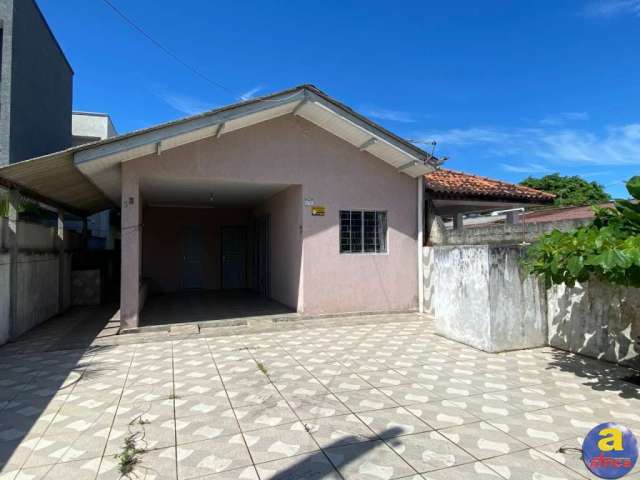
(506, 88)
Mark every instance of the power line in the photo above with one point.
(167, 51)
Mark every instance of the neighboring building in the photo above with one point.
(87, 127)
(90, 127)
(36, 84)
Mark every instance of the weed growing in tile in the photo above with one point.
(262, 368)
(129, 457)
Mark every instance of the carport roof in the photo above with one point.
(86, 178)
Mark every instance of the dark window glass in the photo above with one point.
(363, 231)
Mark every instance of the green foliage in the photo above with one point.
(608, 248)
(569, 190)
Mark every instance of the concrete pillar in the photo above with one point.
(13, 225)
(420, 239)
(458, 222)
(61, 260)
(131, 236)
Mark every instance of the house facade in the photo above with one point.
(294, 196)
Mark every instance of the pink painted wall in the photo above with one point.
(285, 212)
(290, 150)
(162, 243)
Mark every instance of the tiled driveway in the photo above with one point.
(368, 401)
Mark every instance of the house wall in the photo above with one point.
(162, 243)
(290, 150)
(285, 212)
(36, 91)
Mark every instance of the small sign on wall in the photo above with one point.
(309, 202)
(318, 211)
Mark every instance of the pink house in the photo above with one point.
(294, 196)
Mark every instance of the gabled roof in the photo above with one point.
(92, 175)
(450, 184)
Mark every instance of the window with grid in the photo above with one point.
(363, 231)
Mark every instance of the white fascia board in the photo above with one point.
(375, 134)
(202, 126)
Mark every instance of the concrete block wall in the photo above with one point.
(597, 320)
(502, 234)
(479, 296)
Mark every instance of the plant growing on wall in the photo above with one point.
(608, 248)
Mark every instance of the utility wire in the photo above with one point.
(167, 51)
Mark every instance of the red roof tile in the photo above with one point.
(445, 183)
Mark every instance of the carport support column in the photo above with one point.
(131, 234)
(61, 260)
(420, 240)
(13, 223)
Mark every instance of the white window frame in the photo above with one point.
(362, 211)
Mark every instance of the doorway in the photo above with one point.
(234, 258)
(193, 253)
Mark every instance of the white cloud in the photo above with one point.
(525, 168)
(185, 103)
(386, 114)
(249, 94)
(619, 145)
(612, 8)
(562, 118)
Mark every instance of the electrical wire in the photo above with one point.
(168, 52)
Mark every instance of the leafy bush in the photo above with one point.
(569, 190)
(608, 248)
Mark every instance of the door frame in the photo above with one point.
(266, 221)
(246, 251)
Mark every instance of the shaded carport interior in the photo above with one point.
(211, 248)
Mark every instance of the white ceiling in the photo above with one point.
(196, 192)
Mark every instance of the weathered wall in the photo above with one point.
(285, 212)
(479, 297)
(505, 234)
(461, 294)
(597, 320)
(4, 298)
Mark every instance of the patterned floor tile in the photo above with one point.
(206, 427)
(365, 400)
(318, 406)
(368, 461)
(429, 451)
(195, 405)
(339, 430)
(482, 440)
(313, 466)
(344, 383)
(279, 442)
(392, 422)
(263, 416)
(530, 465)
(154, 464)
(443, 414)
(533, 428)
(476, 471)
(212, 456)
(409, 394)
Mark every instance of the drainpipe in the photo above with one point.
(420, 244)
